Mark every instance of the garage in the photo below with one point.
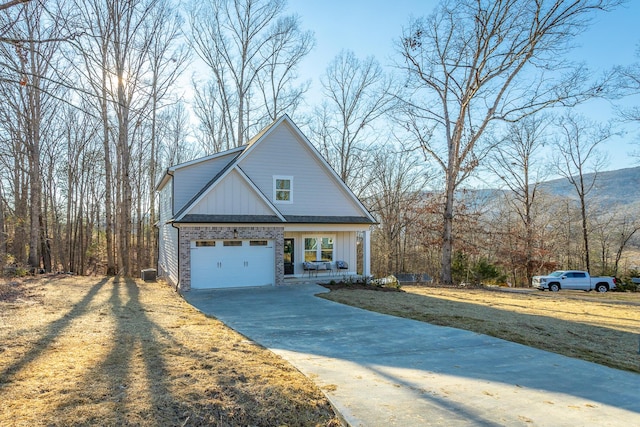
(232, 263)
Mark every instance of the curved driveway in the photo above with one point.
(380, 370)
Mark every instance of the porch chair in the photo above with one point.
(342, 266)
(307, 266)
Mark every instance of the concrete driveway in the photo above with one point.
(380, 370)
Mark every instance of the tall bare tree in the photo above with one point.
(395, 190)
(474, 62)
(358, 93)
(31, 61)
(576, 156)
(129, 60)
(515, 162)
(252, 51)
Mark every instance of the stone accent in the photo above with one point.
(188, 233)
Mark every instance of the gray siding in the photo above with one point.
(189, 180)
(168, 253)
(165, 202)
(315, 191)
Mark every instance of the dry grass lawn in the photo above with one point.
(114, 352)
(601, 328)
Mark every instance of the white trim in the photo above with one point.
(246, 151)
(275, 189)
(366, 253)
(169, 172)
(258, 192)
(319, 236)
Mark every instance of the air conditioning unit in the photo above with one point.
(149, 275)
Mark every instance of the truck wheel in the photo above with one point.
(554, 287)
(601, 287)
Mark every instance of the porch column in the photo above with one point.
(366, 253)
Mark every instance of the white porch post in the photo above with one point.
(366, 253)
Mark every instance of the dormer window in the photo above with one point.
(283, 189)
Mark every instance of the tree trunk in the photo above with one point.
(447, 236)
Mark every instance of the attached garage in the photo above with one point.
(232, 263)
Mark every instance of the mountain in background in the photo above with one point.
(616, 188)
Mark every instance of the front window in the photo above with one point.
(319, 248)
(283, 189)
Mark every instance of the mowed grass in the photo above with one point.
(115, 352)
(601, 328)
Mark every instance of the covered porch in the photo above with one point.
(326, 252)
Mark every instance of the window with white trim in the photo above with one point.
(283, 189)
(318, 248)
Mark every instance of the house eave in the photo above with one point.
(272, 219)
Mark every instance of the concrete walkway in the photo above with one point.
(380, 370)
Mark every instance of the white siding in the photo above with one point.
(232, 196)
(315, 191)
(188, 181)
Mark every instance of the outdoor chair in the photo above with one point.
(310, 267)
(342, 266)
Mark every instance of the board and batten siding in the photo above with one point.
(315, 190)
(232, 196)
(189, 180)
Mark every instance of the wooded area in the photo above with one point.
(95, 107)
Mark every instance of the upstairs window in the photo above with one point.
(283, 189)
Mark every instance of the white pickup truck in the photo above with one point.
(573, 279)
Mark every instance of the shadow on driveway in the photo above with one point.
(384, 370)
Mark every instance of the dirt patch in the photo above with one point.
(105, 351)
(601, 328)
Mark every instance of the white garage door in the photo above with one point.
(232, 263)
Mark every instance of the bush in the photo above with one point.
(482, 271)
(16, 271)
(626, 285)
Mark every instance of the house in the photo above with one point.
(251, 216)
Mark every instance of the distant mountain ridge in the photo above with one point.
(619, 187)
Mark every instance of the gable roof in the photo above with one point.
(244, 152)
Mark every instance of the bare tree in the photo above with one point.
(167, 60)
(474, 62)
(250, 48)
(628, 83)
(31, 65)
(514, 162)
(576, 155)
(174, 132)
(395, 190)
(357, 94)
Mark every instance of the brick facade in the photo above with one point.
(200, 232)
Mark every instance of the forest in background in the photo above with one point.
(93, 111)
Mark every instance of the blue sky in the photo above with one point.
(370, 27)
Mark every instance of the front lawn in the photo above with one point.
(107, 351)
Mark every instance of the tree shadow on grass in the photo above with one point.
(137, 379)
(53, 331)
